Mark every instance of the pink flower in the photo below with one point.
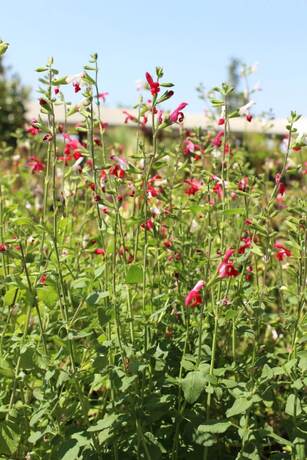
(282, 251)
(217, 141)
(32, 130)
(56, 90)
(194, 186)
(189, 147)
(226, 268)
(129, 117)
(103, 95)
(218, 189)
(177, 115)
(153, 85)
(194, 298)
(160, 117)
(243, 184)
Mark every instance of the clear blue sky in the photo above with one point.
(193, 40)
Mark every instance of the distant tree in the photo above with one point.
(13, 99)
(237, 98)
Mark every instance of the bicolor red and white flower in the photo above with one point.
(194, 297)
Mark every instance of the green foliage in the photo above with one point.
(13, 100)
(152, 299)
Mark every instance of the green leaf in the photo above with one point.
(48, 295)
(240, 406)
(9, 438)
(256, 250)
(95, 297)
(79, 283)
(5, 368)
(234, 211)
(92, 298)
(3, 47)
(214, 427)
(192, 386)
(104, 423)
(69, 450)
(134, 274)
(9, 296)
(293, 405)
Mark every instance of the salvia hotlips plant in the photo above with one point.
(153, 281)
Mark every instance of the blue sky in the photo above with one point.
(193, 40)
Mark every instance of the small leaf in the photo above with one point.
(5, 368)
(214, 427)
(192, 386)
(240, 406)
(134, 274)
(3, 47)
(104, 423)
(293, 405)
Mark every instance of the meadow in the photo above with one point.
(153, 295)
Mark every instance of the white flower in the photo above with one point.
(154, 211)
(77, 164)
(194, 226)
(216, 153)
(75, 77)
(245, 108)
(140, 85)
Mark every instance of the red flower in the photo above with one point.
(43, 279)
(149, 225)
(194, 298)
(76, 86)
(177, 115)
(282, 251)
(194, 186)
(249, 117)
(3, 247)
(226, 268)
(56, 90)
(47, 137)
(117, 171)
(100, 251)
(248, 275)
(33, 131)
(221, 121)
(35, 164)
(153, 85)
(247, 242)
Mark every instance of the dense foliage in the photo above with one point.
(13, 99)
(152, 300)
